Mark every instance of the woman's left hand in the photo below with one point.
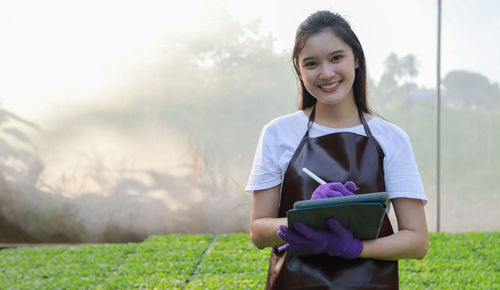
(335, 241)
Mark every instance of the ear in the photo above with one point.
(356, 65)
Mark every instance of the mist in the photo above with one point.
(167, 152)
(168, 148)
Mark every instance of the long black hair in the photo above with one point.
(316, 23)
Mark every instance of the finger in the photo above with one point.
(334, 224)
(292, 237)
(283, 231)
(284, 247)
(319, 192)
(283, 235)
(306, 231)
(318, 195)
(321, 188)
(339, 187)
(351, 186)
(299, 248)
(335, 185)
(333, 193)
(332, 189)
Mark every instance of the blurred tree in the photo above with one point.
(470, 89)
(17, 152)
(215, 86)
(19, 164)
(222, 82)
(398, 70)
(397, 80)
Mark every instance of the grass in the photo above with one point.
(457, 261)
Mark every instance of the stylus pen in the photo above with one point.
(313, 176)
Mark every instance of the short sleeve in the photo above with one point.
(265, 172)
(402, 177)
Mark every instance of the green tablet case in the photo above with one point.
(361, 214)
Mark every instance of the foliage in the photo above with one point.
(455, 261)
(16, 149)
(161, 261)
(396, 81)
(470, 89)
(212, 85)
(397, 68)
(468, 138)
(214, 88)
(465, 261)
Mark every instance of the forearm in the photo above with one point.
(263, 232)
(405, 244)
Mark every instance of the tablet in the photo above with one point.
(361, 214)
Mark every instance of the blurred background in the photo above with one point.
(122, 119)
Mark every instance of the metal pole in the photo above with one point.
(438, 173)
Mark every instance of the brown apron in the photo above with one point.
(334, 157)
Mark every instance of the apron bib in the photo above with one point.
(334, 157)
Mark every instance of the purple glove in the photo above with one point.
(334, 189)
(336, 241)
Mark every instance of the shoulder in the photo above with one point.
(401, 174)
(287, 125)
(275, 148)
(283, 134)
(288, 120)
(387, 132)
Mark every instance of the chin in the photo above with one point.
(330, 101)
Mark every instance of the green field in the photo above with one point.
(454, 261)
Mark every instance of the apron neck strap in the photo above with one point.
(365, 125)
(361, 117)
(311, 120)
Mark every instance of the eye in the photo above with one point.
(309, 64)
(336, 58)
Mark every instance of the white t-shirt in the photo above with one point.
(280, 138)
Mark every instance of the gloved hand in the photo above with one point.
(335, 241)
(334, 189)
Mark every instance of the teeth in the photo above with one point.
(330, 86)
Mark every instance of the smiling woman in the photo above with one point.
(327, 68)
(332, 134)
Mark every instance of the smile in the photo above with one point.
(330, 86)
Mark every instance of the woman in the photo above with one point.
(337, 137)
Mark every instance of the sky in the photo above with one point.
(470, 30)
(62, 52)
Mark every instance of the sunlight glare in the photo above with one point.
(56, 52)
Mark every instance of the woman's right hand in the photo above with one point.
(334, 189)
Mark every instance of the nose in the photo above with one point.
(327, 71)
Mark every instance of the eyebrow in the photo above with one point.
(331, 53)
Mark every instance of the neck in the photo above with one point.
(337, 116)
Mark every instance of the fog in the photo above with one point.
(96, 181)
(167, 145)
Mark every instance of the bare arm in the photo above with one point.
(410, 242)
(264, 221)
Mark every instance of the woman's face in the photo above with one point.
(327, 68)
